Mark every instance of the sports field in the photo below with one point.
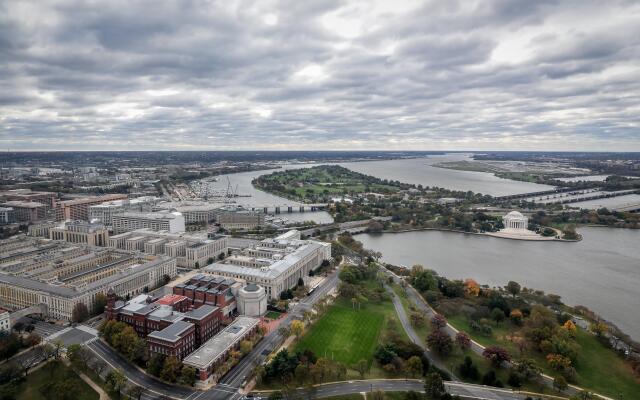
(345, 334)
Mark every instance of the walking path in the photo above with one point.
(422, 304)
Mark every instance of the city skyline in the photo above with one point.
(320, 75)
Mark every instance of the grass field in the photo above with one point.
(33, 387)
(345, 334)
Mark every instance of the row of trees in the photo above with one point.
(300, 368)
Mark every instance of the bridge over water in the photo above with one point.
(287, 208)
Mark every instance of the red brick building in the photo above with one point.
(171, 324)
(210, 290)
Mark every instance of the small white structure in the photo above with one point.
(515, 221)
(252, 300)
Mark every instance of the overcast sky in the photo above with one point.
(314, 75)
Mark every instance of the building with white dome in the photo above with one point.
(515, 221)
(251, 300)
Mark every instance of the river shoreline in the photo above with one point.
(485, 234)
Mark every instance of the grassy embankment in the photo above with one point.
(456, 358)
(598, 368)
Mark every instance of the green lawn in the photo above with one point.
(346, 334)
(272, 315)
(33, 388)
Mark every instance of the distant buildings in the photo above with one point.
(81, 232)
(193, 211)
(276, 264)
(78, 209)
(58, 275)
(48, 199)
(105, 211)
(7, 215)
(240, 219)
(190, 251)
(26, 211)
(172, 222)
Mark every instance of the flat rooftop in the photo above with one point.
(172, 332)
(218, 345)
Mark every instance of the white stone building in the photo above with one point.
(515, 221)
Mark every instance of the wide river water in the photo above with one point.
(601, 272)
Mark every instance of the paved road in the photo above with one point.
(408, 328)
(399, 385)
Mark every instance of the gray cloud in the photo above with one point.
(320, 75)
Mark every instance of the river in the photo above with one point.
(601, 272)
(420, 171)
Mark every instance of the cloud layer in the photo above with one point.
(312, 75)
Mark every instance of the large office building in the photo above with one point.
(57, 275)
(275, 264)
(190, 251)
(193, 211)
(26, 211)
(82, 232)
(104, 212)
(240, 219)
(78, 209)
(172, 222)
(47, 199)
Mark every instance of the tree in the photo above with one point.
(438, 321)
(560, 384)
(171, 369)
(116, 381)
(99, 303)
(80, 313)
(440, 342)
(516, 317)
(297, 327)
(497, 315)
(78, 356)
(471, 288)
(463, 340)
(417, 319)
(156, 362)
(414, 366)
(497, 355)
(135, 392)
(300, 282)
(570, 327)
(196, 265)
(362, 367)
(434, 386)
(245, 347)
(468, 370)
(188, 376)
(599, 328)
(513, 288)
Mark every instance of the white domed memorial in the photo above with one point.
(515, 221)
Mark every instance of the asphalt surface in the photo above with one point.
(399, 385)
